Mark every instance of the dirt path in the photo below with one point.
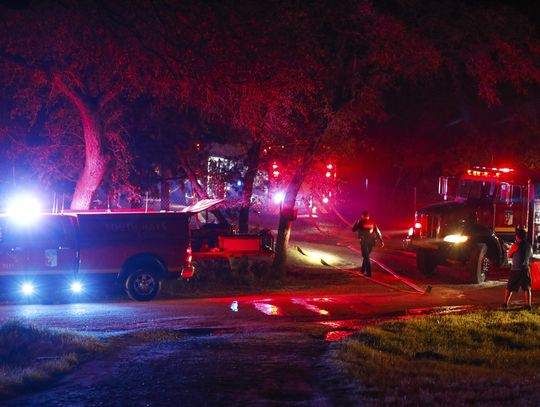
(210, 368)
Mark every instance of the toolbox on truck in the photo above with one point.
(247, 243)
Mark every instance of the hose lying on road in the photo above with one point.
(385, 268)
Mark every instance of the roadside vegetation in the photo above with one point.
(250, 275)
(31, 357)
(485, 357)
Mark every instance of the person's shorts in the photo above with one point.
(519, 279)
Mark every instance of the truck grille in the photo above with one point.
(430, 226)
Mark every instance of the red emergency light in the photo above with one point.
(189, 256)
(489, 172)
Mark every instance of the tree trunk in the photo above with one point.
(95, 162)
(253, 160)
(285, 224)
(285, 221)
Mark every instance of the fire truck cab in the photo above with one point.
(477, 220)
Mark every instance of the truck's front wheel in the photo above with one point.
(426, 261)
(143, 283)
(479, 264)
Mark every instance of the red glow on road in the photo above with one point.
(332, 324)
(334, 336)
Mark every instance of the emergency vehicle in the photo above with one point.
(476, 221)
(49, 254)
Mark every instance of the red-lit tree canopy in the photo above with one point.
(308, 76)
(71, 79)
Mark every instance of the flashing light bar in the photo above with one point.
(24, 208)
(489, 172)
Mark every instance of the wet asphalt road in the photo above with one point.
(384, 294)
(240, 350)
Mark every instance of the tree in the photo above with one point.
(490, 64)
(296, 74)
(242, 69)
(361, 54)
(66, 64)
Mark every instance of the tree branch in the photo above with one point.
(23, 62)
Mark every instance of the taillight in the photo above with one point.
(189, 256)
(417, 225)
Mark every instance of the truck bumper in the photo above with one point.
(444, 251)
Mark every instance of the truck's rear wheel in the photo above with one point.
(426, 261)
(479, 264)
(143, 283)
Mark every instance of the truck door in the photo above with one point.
(52, 246)
(12, 249)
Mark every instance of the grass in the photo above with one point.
(490, 357)
(31, 356)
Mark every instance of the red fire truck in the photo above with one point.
(477, 220)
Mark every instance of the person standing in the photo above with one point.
(520, 274)
(369, 234)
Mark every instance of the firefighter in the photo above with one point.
(369, 234)
(520, 275)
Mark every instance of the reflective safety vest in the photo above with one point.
(367, 230)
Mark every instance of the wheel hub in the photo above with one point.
(144, 284)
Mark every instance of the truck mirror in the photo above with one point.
(447, 187)
(443, 186)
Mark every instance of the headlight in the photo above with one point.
(411, 231)
(76, 287)
(456, 238)
(28, 289)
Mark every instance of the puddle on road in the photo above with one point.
(310, 307)
(268, 309)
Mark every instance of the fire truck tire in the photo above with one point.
(426, 261)
(479, 264)
(143, 282)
